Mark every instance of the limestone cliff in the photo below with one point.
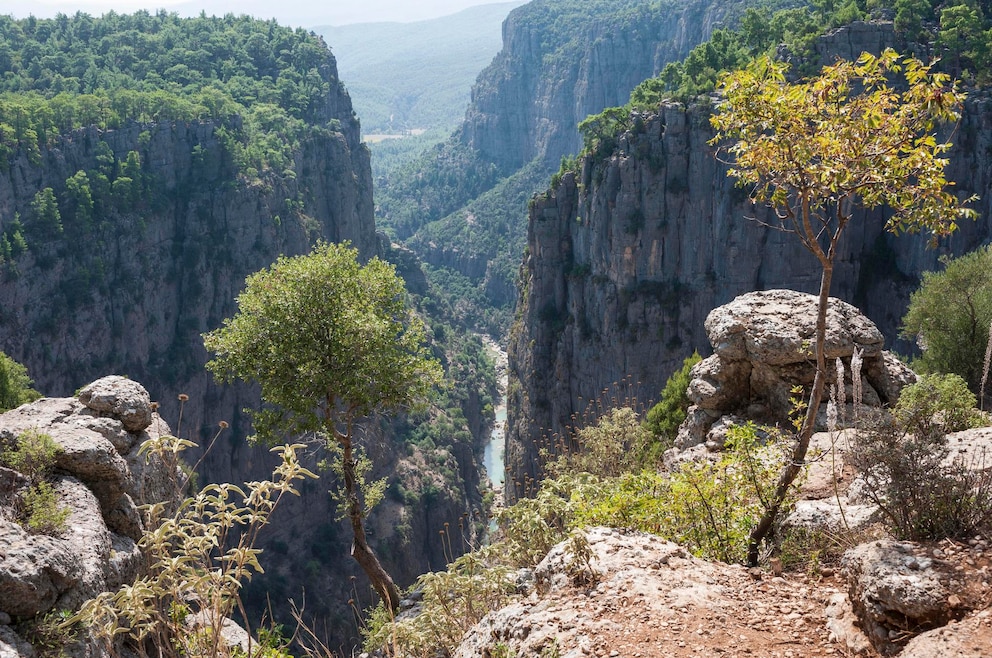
(625, 261)
(556, 69)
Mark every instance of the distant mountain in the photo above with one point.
(404, 76)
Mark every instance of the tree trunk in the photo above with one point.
(381, 581)
(797, 459)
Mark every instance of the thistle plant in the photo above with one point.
(198, 557)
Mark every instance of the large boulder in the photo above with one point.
(101, 478)
(898, 590)
(763, 346)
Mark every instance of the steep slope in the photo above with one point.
(561, 61)
(624, 263)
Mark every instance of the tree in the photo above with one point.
(949, 317)
(329, 341)
(815, 150)
(15, 385)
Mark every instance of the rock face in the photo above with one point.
(650, 597)
(528, 102)
(560, 62)
(100, 477)
(640, 595)
(899, 590)
(761, 345)
(625, 261)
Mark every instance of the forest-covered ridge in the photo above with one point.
(957, 34)
(265, 84)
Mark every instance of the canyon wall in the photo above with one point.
(625, 261)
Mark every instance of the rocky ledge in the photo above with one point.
(101, 477)
(642, 596)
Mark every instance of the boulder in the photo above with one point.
(763, 349)
(94, 476)
(898, 590)
(120, 398)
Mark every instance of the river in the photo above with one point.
(492, 456)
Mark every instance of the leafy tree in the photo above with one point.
(815, 150)
(950, 314)
(910, 15)
(961, 32)
(329, 341)
(15, 385)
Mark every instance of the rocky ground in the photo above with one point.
(643, 596)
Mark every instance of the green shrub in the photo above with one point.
(33, 455)
(923, 492)
(938, 404)
(42, 512)
(664, 418)
(453, 601)
(15, 385)
(616, 443)
(949, 317)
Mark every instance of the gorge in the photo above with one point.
(622, 258)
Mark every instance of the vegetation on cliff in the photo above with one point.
(267, 85)
(15, 384)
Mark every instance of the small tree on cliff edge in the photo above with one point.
(815, 150)
(330, 341)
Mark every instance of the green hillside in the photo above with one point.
(404, 76)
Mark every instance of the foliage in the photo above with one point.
(329, 341)
(872, 145)
(15, 385)
(949, 317)
(707, 507)
(199, 557)
(34, 455)
(924, 492)
(326, 338)
(42, 512)
(938, 404)
(453, 601)
(49, 634)
(664, 418)
(815, 150)
(617, 443)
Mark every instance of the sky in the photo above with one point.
(297, 13)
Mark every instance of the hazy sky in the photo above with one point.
(305, 13)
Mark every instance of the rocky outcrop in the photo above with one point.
(761, 345)
(899, 590)
(100, 477)
(626, 259)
